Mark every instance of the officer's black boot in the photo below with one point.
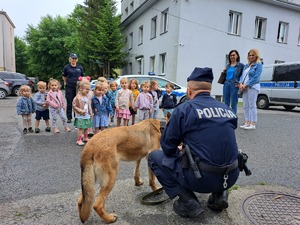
(218, 201)
(187, 205)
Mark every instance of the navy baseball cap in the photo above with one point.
(201, 74)
(73, 56)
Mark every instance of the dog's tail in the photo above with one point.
(85, 199)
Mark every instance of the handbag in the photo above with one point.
(222, 78)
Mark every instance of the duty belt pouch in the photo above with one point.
(185, 163)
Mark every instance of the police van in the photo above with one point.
(280, 86)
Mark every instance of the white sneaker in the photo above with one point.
(245, 125)
(250, 127)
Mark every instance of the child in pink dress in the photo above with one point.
(123, 99)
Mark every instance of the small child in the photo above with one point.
(25, 107)
(112, 93)
(169, 100)
(42, 108)
(123, 99)
(101, 108)
(57, 105)
(83, 112)
(156, 94)
(144, 102)
(134, 87)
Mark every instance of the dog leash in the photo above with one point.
(151, 194)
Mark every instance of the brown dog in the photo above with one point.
(100, 159)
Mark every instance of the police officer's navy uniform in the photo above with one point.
(207, 127)
(71, 73)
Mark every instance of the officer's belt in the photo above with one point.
(217, 169)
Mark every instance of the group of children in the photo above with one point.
(93, 109)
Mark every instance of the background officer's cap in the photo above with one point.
(201, 74)
(73, 56)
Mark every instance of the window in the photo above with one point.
(129, 68)
(260, 28)
(126, 11)
(153, 27)
(140, 62)
(152, 64)
(282, 32)
(130, 41)
(234, 23)
(141, 31)
(164, 21)
(162, 63)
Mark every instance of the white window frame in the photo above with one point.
(260, 28)
(282, 33)
(235, 21)
(153, 27)
(140, 62)
(164, 21)
(162, 63)
(130, 44)
(141, 35)
(152, 63)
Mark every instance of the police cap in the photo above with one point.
(73, 56)
(201, 74)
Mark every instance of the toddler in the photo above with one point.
(57, 105)
(134, 87)
(123, 99)
(144, 102)
(101, 108)
(169, 100)
(112, 93)
(156, 94)
(42, 108)
(83, 112)
(25, 107)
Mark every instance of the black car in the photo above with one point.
(16, 80)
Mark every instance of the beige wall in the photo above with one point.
(7, 44)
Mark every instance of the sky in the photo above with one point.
(29, 12)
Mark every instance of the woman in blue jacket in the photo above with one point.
(231, 86)
(250, 86)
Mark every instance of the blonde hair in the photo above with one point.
(113, 83)
(102, 79)
(256, 53)
(135, 82)
(41, 84)
(99, 86)
(145, 83)
(123, 79)
(24, 88)
(152, 83)
(170, 85)
(51, 80)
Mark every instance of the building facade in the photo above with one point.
(7, 43)
(172, 37)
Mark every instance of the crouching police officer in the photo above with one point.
(206, 127)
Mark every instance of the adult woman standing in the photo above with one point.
(250, 86)
(231, 86)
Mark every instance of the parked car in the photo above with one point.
(16, 80)
(179, 90)
(5, 89)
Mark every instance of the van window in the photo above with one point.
(287, 73)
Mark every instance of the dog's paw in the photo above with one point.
(139, 183)
(111, 218)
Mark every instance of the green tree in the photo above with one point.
(50, 44)
(21, 55)
(100, 37)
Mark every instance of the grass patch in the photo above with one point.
(234, 187)
(19, 214)
(240, 104)
(262, 183)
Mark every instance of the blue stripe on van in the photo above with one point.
(287, 84)
(177, 93)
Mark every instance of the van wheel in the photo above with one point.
(289, 107)
(262, 102)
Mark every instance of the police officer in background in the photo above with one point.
(70, 73)
(207, 127)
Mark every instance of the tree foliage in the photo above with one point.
(101, 38)
(50, 44)
(21, 55)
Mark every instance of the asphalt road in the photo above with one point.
(40, 173)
